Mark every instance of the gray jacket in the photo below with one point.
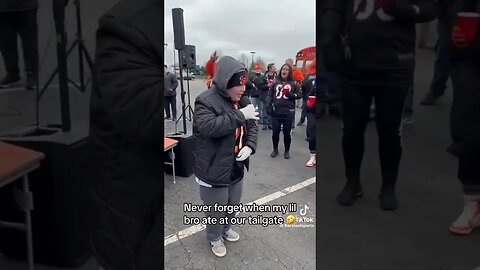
(170, 82)
(18, 5)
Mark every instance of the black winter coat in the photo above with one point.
(214, 127)
(127, 138)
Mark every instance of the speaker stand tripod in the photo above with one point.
(188, 107)
(82, 52)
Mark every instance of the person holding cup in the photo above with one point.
(281, 107)
(309, 91)
(465, 113)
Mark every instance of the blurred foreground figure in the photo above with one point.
(388, 28)
(465, 114)
(126, 137)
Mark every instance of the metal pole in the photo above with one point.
(59, 12)
(180, 53)
(28, 221)
(79, 40)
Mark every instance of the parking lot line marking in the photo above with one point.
(198, 228)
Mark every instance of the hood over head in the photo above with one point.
(227, 66)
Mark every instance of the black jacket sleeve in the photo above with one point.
(128, 83)
(296, 93)
(428, 10)
(270, 94)
(251, 135)
(174, 82)
(210, 125)
(331, 21)
(264, 84)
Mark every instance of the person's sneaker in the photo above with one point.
(388, 200)
(218, 248)
(470, 217)
(429, 99)
(31, 81)
(286, 155)
(300, 123)
(231, 236)
(313, 161)
(349, 194)
(264, 127)
(274, 153)
(10, 81)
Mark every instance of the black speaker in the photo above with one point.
(189, 57)
(178, 28)
(60, 218)
(183, 155)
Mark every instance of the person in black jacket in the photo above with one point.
(270, 77)
(465, 120)
(443, 51)
(281, 107)
(388, 28)
(261, 86)
(126, 138)
(225, 135)
(19, 18)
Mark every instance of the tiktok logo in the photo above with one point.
(304, 210)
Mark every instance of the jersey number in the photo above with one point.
(369, 10)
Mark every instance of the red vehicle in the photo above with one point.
(304, 58)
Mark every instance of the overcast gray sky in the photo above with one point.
(274, 29)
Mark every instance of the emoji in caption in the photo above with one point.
(290, 219)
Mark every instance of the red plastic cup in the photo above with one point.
(311, 101)
(468, 24)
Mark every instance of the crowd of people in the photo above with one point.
(371, 45)
(273, 95)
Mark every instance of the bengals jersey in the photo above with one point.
(282, 97)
